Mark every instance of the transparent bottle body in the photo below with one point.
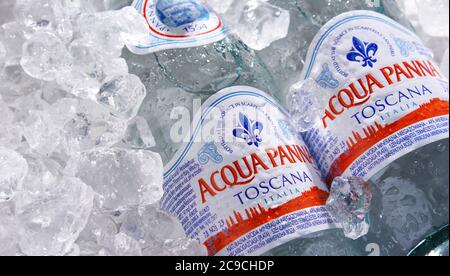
(286, 58)
(410, 203)
(410, 194)
(175, 78)
(181, 79)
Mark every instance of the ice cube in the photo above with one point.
(73, 8)
(43, 15)
(91, 67)
(149, 224)
(45, 56)
(304, 104)
(349, 203)
(43, 173)
(123, 95)
(9, 231)
(219, 6)
(15, 83)
(41, 133)
(158, 233)
(13, 170)
(126, 246)
(98, 234)
(254, 22)
(53, 221)
(110, 31)
(5, 113)
(86, 125)
(52, 92)
(10, 132)
(11, 35)
(120, 177)
(139, 135)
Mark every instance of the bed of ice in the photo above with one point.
(76, 173)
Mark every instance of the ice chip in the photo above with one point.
(91, 67)
(184, 247)
(10, 132)
(159, 233)
(52, 222)
(133, 26)
(98, 234)
(98, 31)
(149, 224)
(2, 55)
(9, 230)
(126, 246)
(41, 132)
(110, 31)
(44, 16)
(139, 135)
(73, 8)
(15, 83)
(86, 125)
(304, 104)
(5, 113)
(45, 56)
(13, 170)
(43, 173)
(12, 37)
(349, 203)
(52, 92)
(123, 94)
(254, 22)
(220, 6)
(120, 177)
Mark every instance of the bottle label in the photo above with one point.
(245, 182)
(384, 95)
(177, 24)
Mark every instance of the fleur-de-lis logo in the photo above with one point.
(363, 52)
(249, 130)
(326, 78)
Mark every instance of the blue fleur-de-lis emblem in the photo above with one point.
(176, 13)
(406, 47)
(248, 130)
(363, 52)
(208, 153)
(326, 78)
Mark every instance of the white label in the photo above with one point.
(177, 24)
(385, 96)
(253, 186)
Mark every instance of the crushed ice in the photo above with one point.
(74, 176)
